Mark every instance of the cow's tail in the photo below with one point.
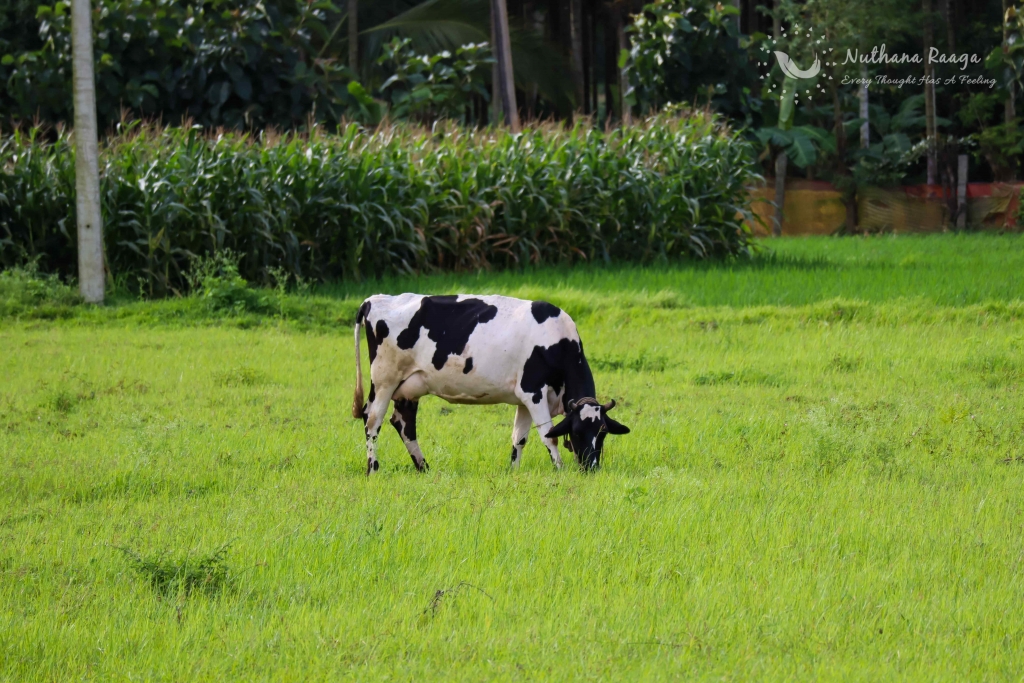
(357, 398)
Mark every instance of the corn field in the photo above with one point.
(397, 198)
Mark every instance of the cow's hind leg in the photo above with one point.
(374, 412)
(520, 430)
(404, 421)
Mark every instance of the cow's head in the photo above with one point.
(585, 425)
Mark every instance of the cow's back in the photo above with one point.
(464, 348)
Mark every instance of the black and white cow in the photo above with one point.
(481, 350)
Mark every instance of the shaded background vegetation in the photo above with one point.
(283, 63)
(394, 199)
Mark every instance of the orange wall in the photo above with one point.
(816, 208)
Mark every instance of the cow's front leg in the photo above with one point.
(404, 421)
(542, 419)
(520, 430)
(375, 411)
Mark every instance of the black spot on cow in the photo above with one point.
(371, 343)
(373, 339)
(522, 442)
(542, 310)
(555, 366)
(448, 323)
(404, 418)
(364, 311)
(513, 455)
(469, 366)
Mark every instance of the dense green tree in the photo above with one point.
(219, 62)
(692, 52)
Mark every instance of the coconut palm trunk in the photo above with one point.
(353, 35)
(87, 176)
(576, 44)
(781, 160)
(1010, 106)
(865, 112)
(625, 114)
(503, 57)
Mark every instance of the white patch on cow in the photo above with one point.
(589, 412)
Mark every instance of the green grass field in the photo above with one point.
(825, 480)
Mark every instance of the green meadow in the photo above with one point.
(824, 480)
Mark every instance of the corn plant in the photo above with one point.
(395, 199)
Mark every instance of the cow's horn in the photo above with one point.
(609, 405)
(572, 406)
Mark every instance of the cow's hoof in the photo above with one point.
(425, 468)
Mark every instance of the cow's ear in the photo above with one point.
(615, 427)
(560, 429)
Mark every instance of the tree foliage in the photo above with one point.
(425, 87)
(242, 64)
(691, 52)
(215, 62)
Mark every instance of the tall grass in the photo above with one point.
(813, 489)
(398, 199)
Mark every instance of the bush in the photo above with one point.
(183, 576)
(215, 279)
(397, 199)
(26, 290)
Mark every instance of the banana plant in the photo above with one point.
(887, 161)
(801, 144)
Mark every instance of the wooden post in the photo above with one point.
(961, 192)
(781, 161)
(87, 174)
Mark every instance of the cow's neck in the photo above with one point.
(579, 382)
